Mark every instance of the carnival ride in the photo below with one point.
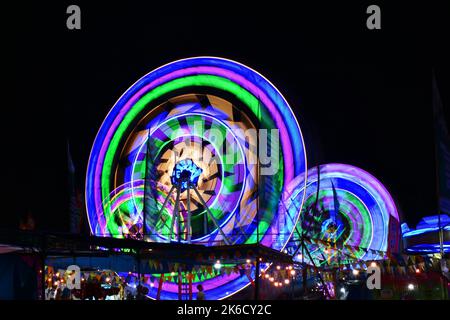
(206, 151)
(345, 217)
(431, 236)
(199, 151)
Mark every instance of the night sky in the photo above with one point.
(361, 97)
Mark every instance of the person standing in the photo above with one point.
(200, 293)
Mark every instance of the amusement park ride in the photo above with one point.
(174, 162)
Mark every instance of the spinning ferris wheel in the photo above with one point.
(346, 215)
(178, 158)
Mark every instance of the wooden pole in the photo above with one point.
(43, 257)
(257, 269)
(190, 286)
(180, 288)
(161, 281)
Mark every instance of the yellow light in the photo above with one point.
(108, 279)
(172, 273)
(417, 270)
(355, 272)
(266, 276)
(410, 286)
(82, 279)
(278, 267)
(57, 274)
(292, 272)
(290, 268)
(248, 261)
(286, 281)
(271, 279)
(373, 264)
(276, 284)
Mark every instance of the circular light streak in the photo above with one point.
(176, 113)
(351, 210)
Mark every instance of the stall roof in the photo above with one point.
(59, 244)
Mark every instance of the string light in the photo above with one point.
(271, 279)
(276, 284)
(266, 276)
(417, 270)
(373, 264)
(410, 287)
(278, 267)
(248, 261)
(355, 272)
(292, 272)
(108, 279)
(286, 281)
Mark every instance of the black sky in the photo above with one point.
(361, 97)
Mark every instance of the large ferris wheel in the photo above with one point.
(178, 159)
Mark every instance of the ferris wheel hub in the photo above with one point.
(186, 173)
